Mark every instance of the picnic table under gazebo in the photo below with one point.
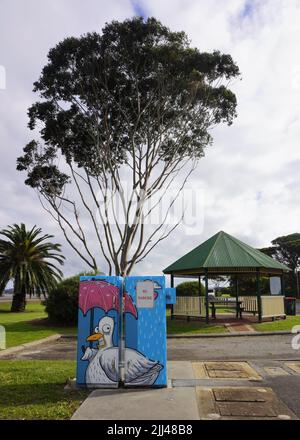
(225, 255)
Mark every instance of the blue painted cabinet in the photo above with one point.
(145, 334)
(99, 328)
(122, 331)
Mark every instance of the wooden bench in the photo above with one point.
(229, 303)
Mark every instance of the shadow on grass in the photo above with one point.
(35, 326)
(35, 390)
(21, 327)
(33, 393)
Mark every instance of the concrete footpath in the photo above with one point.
(206, 390)
(156, 404)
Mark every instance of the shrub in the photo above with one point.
(62, 302)
(189, 288)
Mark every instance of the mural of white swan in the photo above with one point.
(103, 361)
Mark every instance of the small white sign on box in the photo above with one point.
(145, 294)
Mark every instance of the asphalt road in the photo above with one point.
(231, 348)
(234, 348)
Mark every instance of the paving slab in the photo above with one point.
(180, 370)
(131, 404)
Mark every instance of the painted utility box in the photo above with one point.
(122, 335)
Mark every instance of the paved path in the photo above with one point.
(240, 327)
(270, 390)
(238, 347)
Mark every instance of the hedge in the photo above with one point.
(189, 288)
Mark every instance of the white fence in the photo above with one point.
(189, 306)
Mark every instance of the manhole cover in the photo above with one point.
(224, 370)
(294, 366)
(239, 395)
(225, 366)
(240, 403)
(246, 409)
(276, 371)
(225, 374)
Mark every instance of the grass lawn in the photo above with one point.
(280, 325)
(20, 329)
(35, 390)
(181, 326)
(177, 326)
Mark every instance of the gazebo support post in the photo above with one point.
(206, 297)
(282, 285)
(259, 305)
(172, 306)
(236, 289)
(199, 293)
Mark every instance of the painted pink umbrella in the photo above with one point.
(103, 295)
(98, 293)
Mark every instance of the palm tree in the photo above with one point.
(26, 259)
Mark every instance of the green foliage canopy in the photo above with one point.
(28, 259)
(137, 95)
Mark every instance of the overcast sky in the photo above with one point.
(250, 176)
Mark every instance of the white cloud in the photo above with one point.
(251, 173)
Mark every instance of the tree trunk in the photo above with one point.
(18, 302)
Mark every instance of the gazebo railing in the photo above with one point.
(189, 306)
(272, 306)
(249, 304)
(194, 306)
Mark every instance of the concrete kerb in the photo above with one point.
(228, 335)
(18, 348)
(212, 335)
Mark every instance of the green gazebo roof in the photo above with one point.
(223, 253)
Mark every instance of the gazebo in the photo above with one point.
(225, 255)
